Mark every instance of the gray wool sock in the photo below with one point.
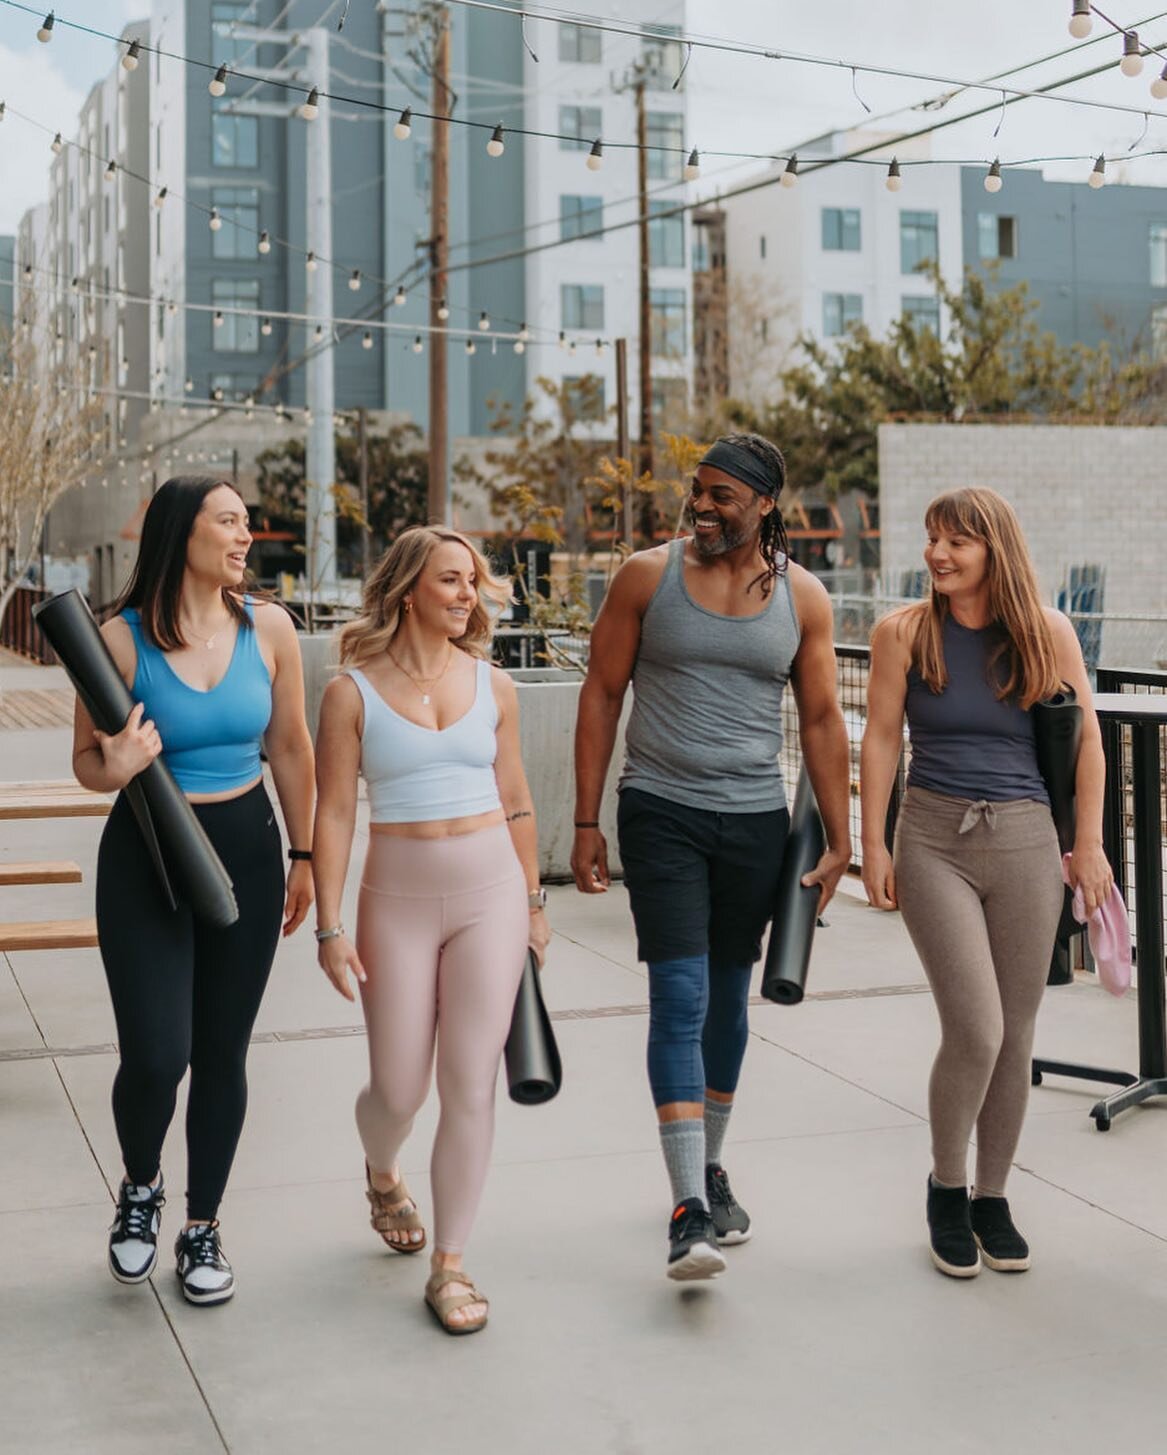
(683, 1144)
(716, 1121)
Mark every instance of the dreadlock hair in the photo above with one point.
(772, 541)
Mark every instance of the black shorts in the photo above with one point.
(698, 880)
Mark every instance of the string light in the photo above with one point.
(130, 59)
(188, 384)
(161, 195)
(217, 85)
(483, 322)
(264, 243)
(993, 177)
(520, 345)
(310, 109)
(366, 340)
(310, 262)
(417, 344)
(596, 156)
(1097, 177)
(496, 146)
(524, 333)
(789, 176)
(1132, 59)
(692, 168)
(443, 309)
(893, 182)
(265, 328)
(403, 125)
(56, 145)
(1159, 85)
(218, 319)
(215, 222)
(1081, 23)
(111, 170)
(45, 33)
(399, 297)
(562, 339)
(471, 346)
(318, 334)
(354, 280)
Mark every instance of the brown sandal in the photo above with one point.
(443, 1306)
(384, 1218)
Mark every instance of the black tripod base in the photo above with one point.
(1135, 1089)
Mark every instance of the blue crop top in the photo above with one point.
(417, 774)
(966, 742)
(210, 740)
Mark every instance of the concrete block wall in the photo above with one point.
(1085, 494)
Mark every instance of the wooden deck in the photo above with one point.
(36, 708)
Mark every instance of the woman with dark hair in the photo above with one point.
(450, 896)
(976, 870)
(212, 670)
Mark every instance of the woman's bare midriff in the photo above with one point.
(226, 795)
(440, 828)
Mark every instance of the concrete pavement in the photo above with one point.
(830, 1331)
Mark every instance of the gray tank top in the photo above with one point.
(965, 741)
(706, 722)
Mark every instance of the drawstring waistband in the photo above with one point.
(977, 811)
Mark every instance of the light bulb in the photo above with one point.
(217, 85)
(188, 384)
(1132, 60)
(216, 395)
(45, 33)
(399, 297)
(264, 243)
(893, 182)
(310, 263)
(56, 144)
(111, 170)
(218, 319)
(790, 174)
(367, 340)
(417, 344)
(310, 109)
(496, 146)
(483, 321)
(596, 156)
(172, 308)
(403, 125)
(471, 346)
(1081, 23)
(265, 328)
(1097, 177)
(443, 310)
(307, 416)
(319, 332)
(571, 349)
(1159, 85)
(520, 346)
(524, 332)
(160, 196)
(354, 280)
(599, 348)
(562, 339)
(130, 59)
(993, 177)
(215, 222)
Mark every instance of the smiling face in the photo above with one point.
(724, 513)
(219, 539)
(957, 561)
(446, 592)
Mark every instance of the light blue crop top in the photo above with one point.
(210, 740)
(416, 774)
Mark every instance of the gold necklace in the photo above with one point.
(208, 642)
(421, 682)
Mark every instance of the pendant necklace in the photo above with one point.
(208, 642)
(422, 683)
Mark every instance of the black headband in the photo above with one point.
(743, 465)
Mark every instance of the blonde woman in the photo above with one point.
(976, 870)
(450, 896)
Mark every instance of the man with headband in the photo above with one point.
(708, 629)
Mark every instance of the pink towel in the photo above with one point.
(1109, 933)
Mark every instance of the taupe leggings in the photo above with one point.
(980, 888)
(442, 927)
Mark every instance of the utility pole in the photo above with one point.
(645, 309)
(320, 457)
(438, 497)
(622, 431)
(363, 484)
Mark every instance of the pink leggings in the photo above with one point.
(442, 929)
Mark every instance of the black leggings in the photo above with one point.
(185, 994)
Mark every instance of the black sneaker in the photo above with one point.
(203, 1271)
(693, 1251)
(730, 1220)
(953, 1247)
(1002, 1246)
(133, 1234)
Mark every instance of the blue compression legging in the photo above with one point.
(697, 1027)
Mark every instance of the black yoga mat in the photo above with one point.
(1057, 731)
(187, 865)
(534, 1071)
(795, 906)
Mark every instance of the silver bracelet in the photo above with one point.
(322, 935)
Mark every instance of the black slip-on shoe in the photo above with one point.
(952, 1245)
(1002, 1246)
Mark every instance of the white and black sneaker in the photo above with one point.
(133, 1234)
(693, 1250)
(202, 1270)
(731, 1222)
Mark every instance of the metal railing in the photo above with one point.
(19, 633)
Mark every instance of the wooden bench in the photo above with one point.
(49, 934)
(62, 872)
(57, 798)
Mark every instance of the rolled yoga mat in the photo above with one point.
(534, 1071)
(795, 906)
(187, 865)
(1057, 731)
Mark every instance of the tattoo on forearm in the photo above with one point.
(522, 813)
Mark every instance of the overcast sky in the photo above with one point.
(736, 102)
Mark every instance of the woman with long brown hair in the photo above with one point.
(976, 871)
(450, 895)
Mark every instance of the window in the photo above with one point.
(919, 242)
(239, 209)
(667, 321)
(584, 122)
(1157, 237)
(666, 236)
(225, 45)
(996, 236)
(235, 335)
(665, 129)
(585, 396)
(581, 305)
(841, 233)
(235, 386)
(234, 140)
(580, 43)
(840, 311)
(922, 310)
(580, 216)
(670, 400)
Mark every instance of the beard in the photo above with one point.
(727, 539)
